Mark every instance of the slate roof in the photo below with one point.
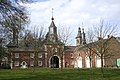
(70, 48)
(81, 47)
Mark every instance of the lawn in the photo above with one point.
(59, 74)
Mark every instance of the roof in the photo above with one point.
(11, 45)
(25, 49)
(52, 24)
(47, 41)
(70, 48)
(93, 44)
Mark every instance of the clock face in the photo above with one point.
(52, 38)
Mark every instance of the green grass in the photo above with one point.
(59, 74)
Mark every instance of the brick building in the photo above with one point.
(49, 54)
(86, 56)
(52, 53)
(69, 56)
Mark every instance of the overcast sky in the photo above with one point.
(73, 13)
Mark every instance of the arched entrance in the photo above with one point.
(98, 61)
(87, 62)
(54, 62)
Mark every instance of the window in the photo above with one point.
(16, 55)
(54, 50)
(39, 55)
(16, 63)
(71, 62)
(32, 55)
(78, 54)
(50, 46)
(45, 48)
(51, 30)
(77, 41)
(31, 63)
(39, 63)
(11, 55)
(71, 55)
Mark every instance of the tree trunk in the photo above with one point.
(102, 66)
(90, 63)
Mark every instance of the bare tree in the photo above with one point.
(14, 25)
(12, 19)
(103, 32)
(35, 40)
(90, 40)
(64, 35)
(9, 8)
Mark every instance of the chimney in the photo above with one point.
(100, 38)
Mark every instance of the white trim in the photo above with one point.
(98, 61)
(39, 55)
(79, 62)
(16, 63)
(24, 65)
(40, 63)
(87, 61)
(59, 61)
(17, 55)
(46, 59)
(71, 55)
(31, 63)
(32, 55)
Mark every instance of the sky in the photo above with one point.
(74, 13)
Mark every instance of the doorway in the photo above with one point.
(54, 62)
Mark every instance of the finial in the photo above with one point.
(52, 14)
(82, 27)
(79, 29)
(83, 30)
(82, 24)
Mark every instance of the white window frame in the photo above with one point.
(79, 55)
(56, 50)
(16, 63)
(71, 62)
(32, 55)
(45, 48)
(39, 63)
(31, 63)
(39, 55)
(71, 55)
(17, 55)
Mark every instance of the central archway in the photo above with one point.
(54, 62)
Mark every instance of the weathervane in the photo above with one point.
(52, 14)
